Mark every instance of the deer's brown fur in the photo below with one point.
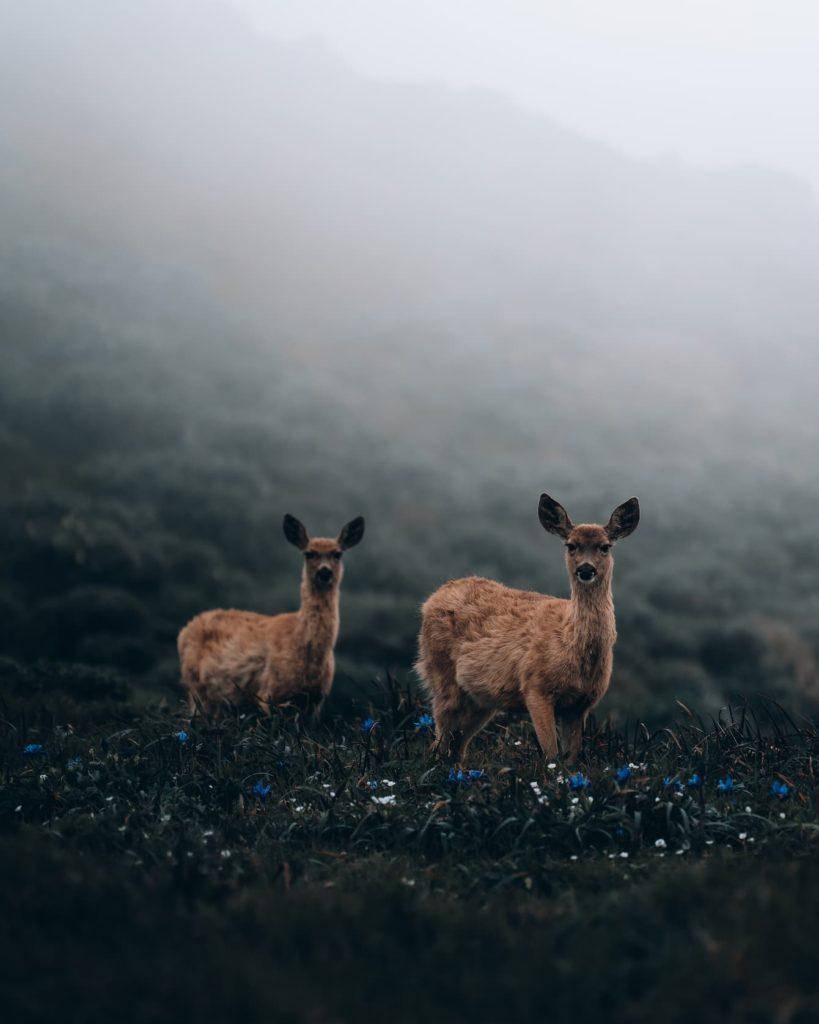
(485, 648)
(230, 656)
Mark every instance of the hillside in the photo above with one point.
(238, 279)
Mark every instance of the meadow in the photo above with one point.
(270, 869)
(425, 307)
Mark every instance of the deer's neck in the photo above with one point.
(318, 618)
(591, 626)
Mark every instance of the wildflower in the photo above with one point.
(182, 736)
(660, 844)
(672, 782)
(385, 801)
(695, 781)
(623, 774)
(261, 790)
(425, 723)
(726, 785)
(32, 749)
(578, 781)
(475, 773)
(780, 789)
(372, 784)
(74, 762)
(368, 725)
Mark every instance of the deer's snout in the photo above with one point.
(585, 572)
(324, 576)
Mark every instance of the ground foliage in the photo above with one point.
(159, 869)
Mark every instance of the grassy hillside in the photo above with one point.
(149, 464)
(159, 870)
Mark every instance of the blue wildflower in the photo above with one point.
(425, 723)
(726, 785)
(261, 790)
(182, 736)
(695, 781)
(623, 774)
(368, 725)
(372, 784)
(32, 749)
(672, 782)
(457, 775)
(74, 762)
(780, 789)
(579, 781)
(475, 773)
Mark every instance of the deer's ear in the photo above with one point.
(553, 517)
(295, 532)
(624, 519)
(351, 534)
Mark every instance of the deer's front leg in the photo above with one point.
(571, 733)
(542, 712)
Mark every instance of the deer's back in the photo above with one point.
(487, 634)
(470, 610)
(232, 642)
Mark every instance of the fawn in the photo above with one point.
(485, 648)
(228, 656)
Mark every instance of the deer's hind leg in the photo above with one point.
(471, 718)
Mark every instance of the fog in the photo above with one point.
(715, 82)
(242, 277)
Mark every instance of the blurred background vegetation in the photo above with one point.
(237, 279)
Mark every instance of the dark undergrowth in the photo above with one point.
(274, 870)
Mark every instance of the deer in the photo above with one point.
(229, 656)
(484, 647)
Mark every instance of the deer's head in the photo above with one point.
(589, 545)
(323, 567)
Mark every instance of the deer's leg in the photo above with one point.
(439, 675)
(446, 727)
(571, 733)
(471, 719)
(541, 710)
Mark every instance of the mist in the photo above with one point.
(240, 277)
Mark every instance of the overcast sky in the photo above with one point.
(713, 81)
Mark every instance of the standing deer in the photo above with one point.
(485, 648)
(230, 655)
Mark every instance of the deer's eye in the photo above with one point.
(605, 548)
(310, 554)
(571, 548)
(335, 554)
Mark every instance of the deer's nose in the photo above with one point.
(324, 574)
(586, 572)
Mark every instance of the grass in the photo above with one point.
(268, 869)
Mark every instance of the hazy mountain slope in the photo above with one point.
(238, 279)
(308, 192)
